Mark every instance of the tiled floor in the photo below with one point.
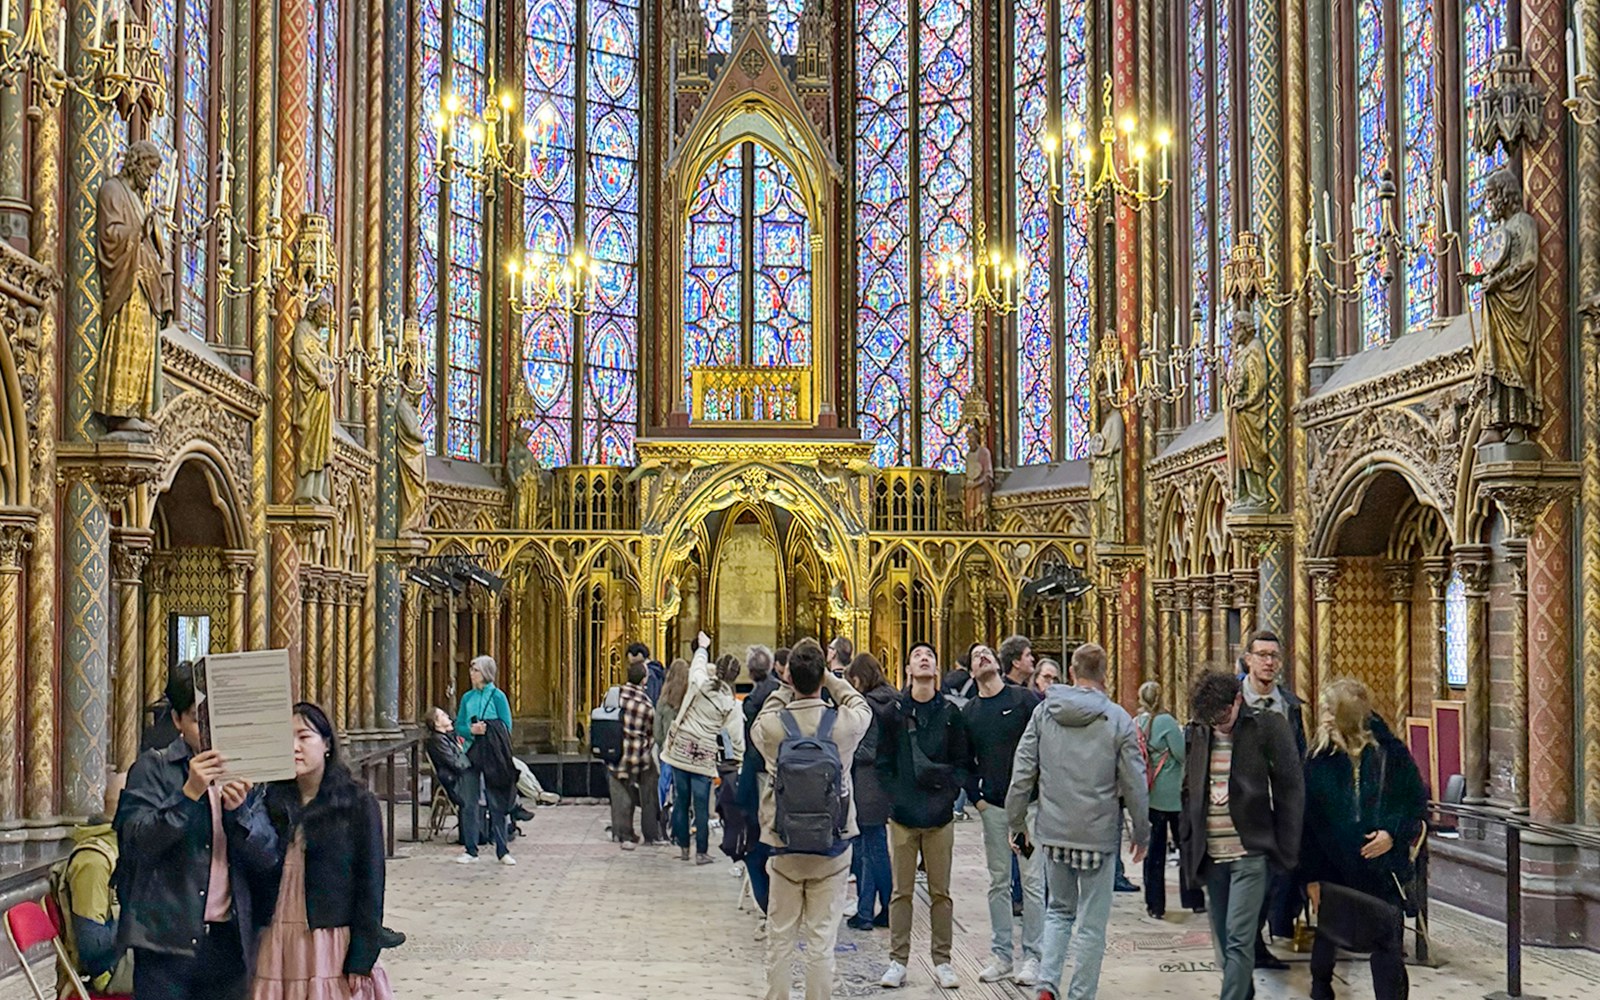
(577, 918)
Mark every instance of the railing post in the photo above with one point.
(1513, 989)
(389, 767)
(1422, 906)
(416, 816)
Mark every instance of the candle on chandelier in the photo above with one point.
(1355, 221)
(1444, 202)
(1572, 59)
(122, 43)
(99, 21)
(5, 14)
(61, 41)
(1177, 328)
(1327, 215)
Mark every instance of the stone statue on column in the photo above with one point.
(978, 486)
(411, 453)
(135, 295)
(1246, 404)
(313, 404)
(1504, 348)
(526, 479)
(1105, 476)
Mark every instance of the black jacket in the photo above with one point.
(753, 765)
(1391, 797)
(923, 787)
(448, 760)
(344, 871)
(1266, 792)
(164, 864)
(490, 755)
(872, 798)
(1294, 708)
(995, 727)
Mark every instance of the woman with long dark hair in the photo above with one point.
(327, 912)
(875, 879)
(709, 713)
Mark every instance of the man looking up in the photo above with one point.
(1016, 659)
(842, 651)
(807, 895)
(1080, 753)
(192, 846)
(923, 755)
(655, 673)
(996, 719)
(1243, 805)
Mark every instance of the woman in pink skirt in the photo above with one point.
(323, 942)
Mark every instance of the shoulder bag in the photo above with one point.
(683, 746)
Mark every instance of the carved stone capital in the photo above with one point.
(1324, 574)
(1438, 570)
(238, 563)
(130, 553)
(1222, 587)
(1517, 561)
(1473, 563)
(1525, 490)
(114, 469)
(1246, 584)
(1398, 575)
(16, 539)
(1200, 594)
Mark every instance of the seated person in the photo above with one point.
(445, 753)
(82, 888)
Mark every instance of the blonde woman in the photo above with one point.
(1365, 804)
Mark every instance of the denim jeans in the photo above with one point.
(875, 882)
(1079, 900)
(684, 785)
(1155, 867)
(997, 854)
(472, 810)
(757, 862)
(664, 786)
(1234, 891)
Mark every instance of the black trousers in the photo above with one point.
(1163, 825)
(1389, 978)
(216, 972)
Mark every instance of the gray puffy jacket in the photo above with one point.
(1081, 753)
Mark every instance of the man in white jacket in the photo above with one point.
(807, 899)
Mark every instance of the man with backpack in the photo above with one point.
(655, 675)
(81, 886)
(808, 814)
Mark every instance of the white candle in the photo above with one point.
(5, 14)
(1444, 200)
(1355, 219)
(1572, 83)
(99, 21)
(1327, 214)
(61, 41)
(1177, 328)
(122, 41)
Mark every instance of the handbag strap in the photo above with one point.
(683, 710)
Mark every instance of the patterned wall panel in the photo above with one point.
(1363, 630)
(85, 671)
(197, 584)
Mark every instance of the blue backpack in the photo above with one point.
(808, 789)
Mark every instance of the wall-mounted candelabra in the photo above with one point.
(543, 281)
(1097, 177)
(379, 362)
(122, 70)
(986, 281)
(482, 144)
(1157, 374)
(1583, 91)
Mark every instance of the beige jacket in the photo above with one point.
(854, 719)
(713, 712)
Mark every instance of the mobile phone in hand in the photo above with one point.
(1023, 846)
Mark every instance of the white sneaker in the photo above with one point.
(508, 860)
(946, 974)
(736, 870)
(466, 859)
(761, 930)
(894, 976)
(850, 907)
(1028, 972)
(994, 972)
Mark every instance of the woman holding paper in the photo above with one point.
(327, 913)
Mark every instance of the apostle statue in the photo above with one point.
(313, 404)
(1246, 401)
(979, 484)
(411, 453)
(1505, 349)
(1105, 476)
(135, 294)
(525, 477)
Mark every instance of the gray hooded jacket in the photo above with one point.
(1081, 752)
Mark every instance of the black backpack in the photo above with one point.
(808, 789)
(605, 729)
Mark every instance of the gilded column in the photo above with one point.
(14, 542)
(238, 565)
(91, 136)
(85, 672)
(569, 732)
(1517, 562)
(270, 627)
(938, 613)
(1221, 601)
(1324, 576)
(1200, 595)
(1437, 569)
(1546, 181)
(1162, 590)
(155, 628)
(1399, 579)
(1472, 561)
(13, 207)
(1588, 177)
(351, 645)
(1183, 602)
(338, 705)
(1244, 596)
(311, 636)
(411, 615)
(130, 551)
(328, 667)
(43, 613)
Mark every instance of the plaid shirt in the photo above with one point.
(638, 732)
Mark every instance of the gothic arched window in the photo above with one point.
(322, 99)
(182, 33)
(1482, 34)
(902, 321)
(1212, 41)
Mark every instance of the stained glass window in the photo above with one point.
(322, 101)
(781, 270)
(1036, 356)
(1372, 156)
(549, 104)
(463, 402)
(611, 224)
(1076, 97)
(182, 34)
(719, 24)
(1482, 34)
(1213, 175)
(430, 30)
(713, 273)
(945, 167)
(883, 223)
(783, 25)
(1455, 631)
(1199, 77)
(1421, 182)
(1230, 38)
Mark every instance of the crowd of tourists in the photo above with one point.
(830, 775)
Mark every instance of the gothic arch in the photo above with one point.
(204, 457)
(1350, 494)
(14, 480)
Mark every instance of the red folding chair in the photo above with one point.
(28, 925)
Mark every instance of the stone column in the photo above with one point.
(85, 672)
(1200, 594)
(1438, 570)
(130, 551)
(15, 540)
(937, 613)
(357, 693)
(311, 635)
(1221, 601)
(289, 610)
(155, 628)
(1183, 604)
(329, 666)
(1517, 562)
(1472, 561)
(238, 563)
(1588, 177)
(410, 663)
(1324, 575)
(569, 731)
(338, 704)
(1244, 596)
(1399, 577)
(1162, 591)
